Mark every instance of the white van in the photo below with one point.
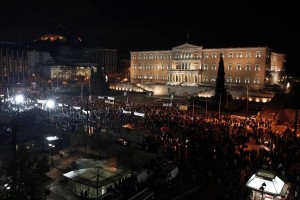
(168, 174)
(143, 175)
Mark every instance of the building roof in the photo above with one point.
(103, 173)
(268, 181)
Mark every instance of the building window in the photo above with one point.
(213, 67)
(238, 67)
(239, 55)
(196, 55)
(156, 77)
(150, 76)
(134, 66)
(258, 54)
(156, 56)
(140, 76)
(214, 55)
(145, 56)
(229, 80)
(156, 66)
(247, 68)
(196, 79)
(162, 77)
(139, 57)
(205, 67)
(169, 56)
(145, 76)
(247, 80)
(162, 56)
(205, 78)
(140, 66)
(256, 80)
(177, 56)
(150, 66)
(257, 67)
(206, 55)
(134, 76)
(248, 55)
(238, 79)
(213, 79)
(169, 66)
(145, 66)
(134, 57)
(230, 55)
(162, 67)
(229, 67)
(150, 56)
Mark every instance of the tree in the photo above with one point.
(220, 90)
(25, 175)
(99, 83)
(293, 100)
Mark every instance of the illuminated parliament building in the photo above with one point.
(191, 65)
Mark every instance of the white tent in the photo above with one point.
(268, 183)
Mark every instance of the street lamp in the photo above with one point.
(50, 104)
(52, 146)
(262, 188)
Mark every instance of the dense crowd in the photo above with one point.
(192, 139)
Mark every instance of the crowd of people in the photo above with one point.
(191, 139)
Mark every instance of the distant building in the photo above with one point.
(192, 65)
(13, 64)
(103, 57)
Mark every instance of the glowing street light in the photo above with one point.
(19, 98)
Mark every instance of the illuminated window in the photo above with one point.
(196, 55)
(139, 57)
(206, 55)
(247, 80)
(177, 56)
(229, 67)
(239, 55)
(258, 54)
(150, 56)
(145, 76)
(213, 67)
(169, 56)
(156, 66)
(169, 66)
(140, 76)
(156, 56)
(248, 55)
(140, 67)
(205, 78)
(162, 67)
(145, 56)
(214, 55)
(256, 80)
(229, 80)
(150, 76)
(156, 77)
(150, 66)
(205, 67)
(230, 55)
(134, 66)
(238, 67)
(162, 56)
(247, 68)
(134, 57)
(257, 67)
(213, 79)
(162, 77)
(145, 66)
(238, 79)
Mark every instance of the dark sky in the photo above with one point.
(159, 25)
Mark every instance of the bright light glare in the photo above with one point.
(51, 138)
(19, 98)
(50, 103)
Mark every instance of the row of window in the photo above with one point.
(230, 68)
(258, 54)
(205, 78)
(205, 67)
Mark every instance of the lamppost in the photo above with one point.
(49, 105)
(262, 188)
(52, 146)
(169, 105)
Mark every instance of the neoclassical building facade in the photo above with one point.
(191, 65)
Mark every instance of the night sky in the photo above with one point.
(157, 25)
